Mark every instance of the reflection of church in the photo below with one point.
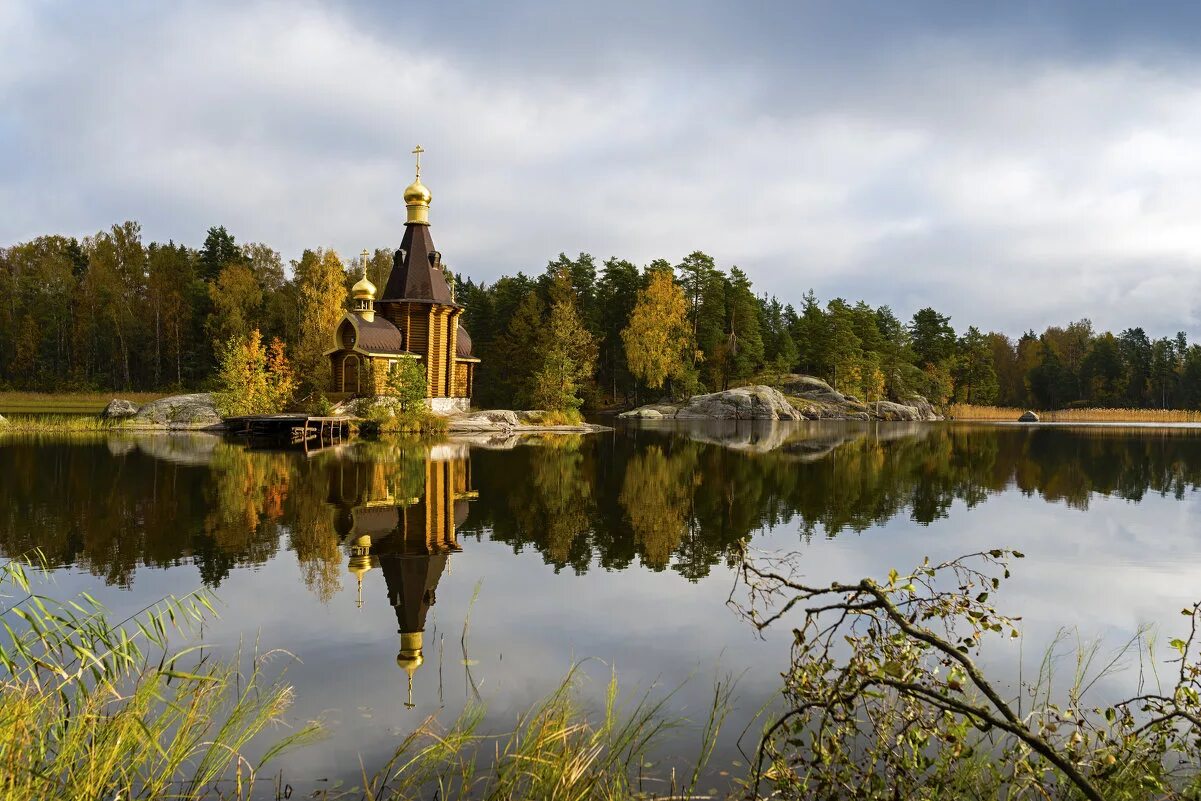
(408, 538)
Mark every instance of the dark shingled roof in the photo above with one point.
(379, 336)
(463, 343)
(414, 276)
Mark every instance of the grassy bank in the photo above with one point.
(69, 402)
(964, 411)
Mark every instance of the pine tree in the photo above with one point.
(975, 377)
(616, 296)
(933, 337)
(518, 351)
(218, 251)
(569, 354)
(744, 339)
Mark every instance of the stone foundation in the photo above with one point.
(449, 405)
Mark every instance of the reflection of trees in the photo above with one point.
(246, 501)
(312, 536)
(660, 496)
(691, 501)
(556, 504)
(541, 497)
(656, 494)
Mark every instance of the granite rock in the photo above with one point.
(197, 410)
(757, 402)
(118, 409)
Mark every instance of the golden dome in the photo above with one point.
(417, 197)
(417, 193)
(363, 290)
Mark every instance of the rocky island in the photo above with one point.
(798, 397)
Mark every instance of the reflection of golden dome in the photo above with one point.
(363, 290)
(360, 558)
(410, 657)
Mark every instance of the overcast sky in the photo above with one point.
(1013, 167)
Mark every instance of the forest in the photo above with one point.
(111, 312)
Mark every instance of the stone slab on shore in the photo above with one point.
(505, 421)
(756, 402)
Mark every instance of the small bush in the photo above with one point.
(556, 417)
(321, 406)
(385, 417)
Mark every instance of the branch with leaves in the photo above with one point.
(887, 699)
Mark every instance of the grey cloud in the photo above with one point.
(1014, 166)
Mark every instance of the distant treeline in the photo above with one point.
(112, 312)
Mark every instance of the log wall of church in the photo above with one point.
(437, 357)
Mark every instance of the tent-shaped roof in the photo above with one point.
(416, 273)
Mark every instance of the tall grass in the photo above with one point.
(556, 751)
(68, 402)
(95, 709)
(965, 411)
(91, 709)
(58, 423)
(553, 417)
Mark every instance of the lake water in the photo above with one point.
(503, 563)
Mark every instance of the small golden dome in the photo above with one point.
(363, 290)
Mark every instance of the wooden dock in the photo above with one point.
(302, 430)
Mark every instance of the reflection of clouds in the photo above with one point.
(1105, 566)
(1104, 573)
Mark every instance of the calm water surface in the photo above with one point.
(618, 549)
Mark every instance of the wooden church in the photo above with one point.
(416, 318)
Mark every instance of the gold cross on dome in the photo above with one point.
(417, 151)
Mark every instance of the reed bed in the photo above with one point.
(965, 411)
(68, 402)
(91, 709)
(58, 424)
(557, 750)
